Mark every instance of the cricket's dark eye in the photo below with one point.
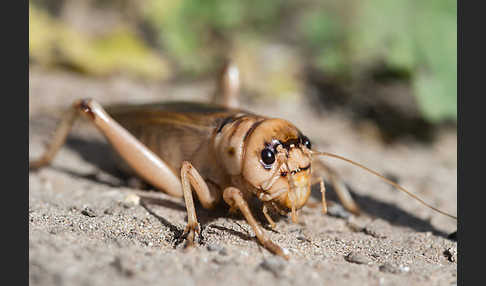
(306, 142)
(268, 157)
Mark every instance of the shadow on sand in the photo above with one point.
(383, 210)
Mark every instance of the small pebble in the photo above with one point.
(336, 210)
(404, 269)
(148, 243)
(55, 230)
(132, 199)
(377, 228)
(451, 254)
(118, 264)
(217, 248)
(357, 223)
(87, 211)
(274, 264)
(303, 238)
(358, 258)
(389, 268)
(223, 260)
(214, 247)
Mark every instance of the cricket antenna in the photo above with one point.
(384, 179)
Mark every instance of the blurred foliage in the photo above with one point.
(415, 39)
(273, 41)
(196, 33)
(348, 38)
(419, 37)
(270, 70)
(121, 51)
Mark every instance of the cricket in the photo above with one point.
(218, 152)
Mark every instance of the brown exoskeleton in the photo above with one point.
(224, 153)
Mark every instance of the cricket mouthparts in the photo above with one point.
(299, 192)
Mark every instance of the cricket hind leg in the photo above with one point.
(228, 90)
(143, 161)
(338, 185)
(59, 138)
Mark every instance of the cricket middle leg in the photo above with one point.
(228, 89)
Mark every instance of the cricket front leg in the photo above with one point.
(207, 196)
(341, 190)
(143, 161)
(234, 198)
(268, 217)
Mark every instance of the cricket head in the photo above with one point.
(277, 163)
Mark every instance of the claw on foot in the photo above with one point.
(275, 249)
(190, 233)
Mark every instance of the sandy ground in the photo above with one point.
(87, 228)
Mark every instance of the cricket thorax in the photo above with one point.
(230, 139)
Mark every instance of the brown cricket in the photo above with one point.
(224, 153)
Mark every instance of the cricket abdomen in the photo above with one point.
(178, 132)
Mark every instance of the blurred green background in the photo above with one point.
(394, 62)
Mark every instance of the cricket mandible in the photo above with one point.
(217, 151)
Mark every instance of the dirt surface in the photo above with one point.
(86, 226)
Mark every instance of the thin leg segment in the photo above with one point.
(143, 161)
(323, 192)
(234, 198)
(58, 140)
(208, 198)
(341, 190)
(228, 86)
(268, 217)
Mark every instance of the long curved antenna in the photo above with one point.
(384, 179)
